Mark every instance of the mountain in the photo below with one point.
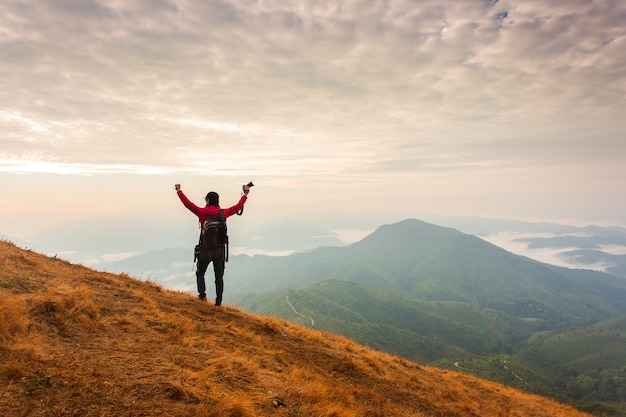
(109, 235)
(171, 267)
(80, 342)
(584, 366)
(96, 239)
(583, 237)
(612, 263)
(590, 247)
(290, 236)
(421, 261)
(580, 349)
(554, 243)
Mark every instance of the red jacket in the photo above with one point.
(202, 212)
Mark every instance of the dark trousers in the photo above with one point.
(218, 257)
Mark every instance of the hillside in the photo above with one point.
(584, 366)
(79, 342)
(419, 330)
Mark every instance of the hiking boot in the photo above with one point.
(218, 302)
(202, 297)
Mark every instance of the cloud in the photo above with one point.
(328, 89)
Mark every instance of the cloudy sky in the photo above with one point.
(336, 109)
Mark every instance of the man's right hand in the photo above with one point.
(177, 187)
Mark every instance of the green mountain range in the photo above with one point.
(437, 295)
(421, 261)
(420, 330)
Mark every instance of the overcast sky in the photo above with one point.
(336, 109)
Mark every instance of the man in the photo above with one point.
(218, 255)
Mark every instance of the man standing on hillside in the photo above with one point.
(204, 252)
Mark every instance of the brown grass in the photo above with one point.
(76, 342)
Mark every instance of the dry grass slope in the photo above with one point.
(76, 342)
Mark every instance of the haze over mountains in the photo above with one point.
(105, 243)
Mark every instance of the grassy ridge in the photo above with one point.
(427, 330)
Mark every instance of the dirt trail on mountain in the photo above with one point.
(311, 320)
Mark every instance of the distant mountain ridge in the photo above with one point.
(418, 260)
(105, 243)
(291, 236)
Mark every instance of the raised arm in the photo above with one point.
(183, 198)
(239, 206)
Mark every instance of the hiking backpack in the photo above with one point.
(213, 234)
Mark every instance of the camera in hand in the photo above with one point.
(250, 184)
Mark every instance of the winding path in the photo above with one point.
(301, 315)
